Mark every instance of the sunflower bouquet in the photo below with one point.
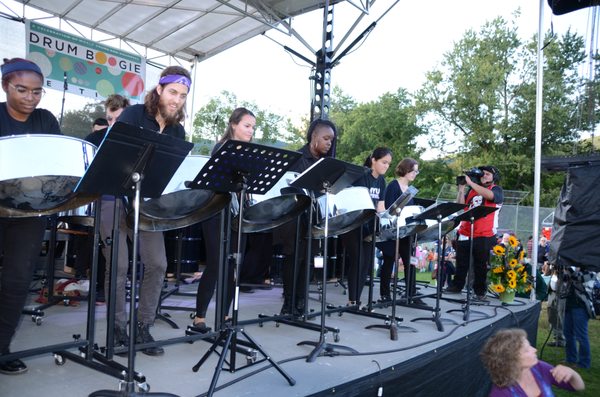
(508, 274)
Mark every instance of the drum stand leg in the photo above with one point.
(302, 321)
(175, 289)
(322, 346)
(436, 317)
(393, 321)
(228, 334)
(466, 309)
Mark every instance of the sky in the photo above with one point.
(407, 42)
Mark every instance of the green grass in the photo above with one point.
(555, 355)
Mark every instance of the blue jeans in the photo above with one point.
(575, 330)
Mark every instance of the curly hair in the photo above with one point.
(500, 353)
(405, 166)
(152, 98)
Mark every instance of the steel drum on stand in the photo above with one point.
(347, 210)
(179, 206)
(277, 206)
(39, 173)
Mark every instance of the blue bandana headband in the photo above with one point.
(20, 66)
(175, 78)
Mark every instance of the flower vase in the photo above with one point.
(507, 297)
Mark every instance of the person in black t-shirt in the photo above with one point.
(406, 172)
(162, 111)
(20, 238)
(358, 251)
(321, 139)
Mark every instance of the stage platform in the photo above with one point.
(421, 362)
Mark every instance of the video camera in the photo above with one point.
(474, 173)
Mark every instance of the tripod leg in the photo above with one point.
(287, 377)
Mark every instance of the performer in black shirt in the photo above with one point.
(162, 111)
(20, 238)
(358, 251)
(406, 172)
(320, 143)
(241, 128)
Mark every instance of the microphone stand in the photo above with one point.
(65, 88)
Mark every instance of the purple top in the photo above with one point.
(545, 381)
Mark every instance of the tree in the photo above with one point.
(390, 121)
(211, 120)
(484, 94)
(78, 123)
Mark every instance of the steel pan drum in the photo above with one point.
(432, 232)
(179, 206)
(77, 217)
(347, 210)
(402, 225)
(277, 206)
(39, 172)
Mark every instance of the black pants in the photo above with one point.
(211, 232)
(481, 256)
(22, 241)
(404, 248)
(360, 259)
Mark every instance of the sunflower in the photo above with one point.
(507, 272)
(499, 250)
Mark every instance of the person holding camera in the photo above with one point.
(482, 190)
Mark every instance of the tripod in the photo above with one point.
(471, 216)
(239, 167)
(439, 212)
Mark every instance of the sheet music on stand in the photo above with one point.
(110, 171)
(336, 173)
(263, 165)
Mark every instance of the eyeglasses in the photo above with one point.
(416, 172)
(35, 92)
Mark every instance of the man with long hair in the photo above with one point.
(162, 111)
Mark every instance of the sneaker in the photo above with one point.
(481, 298)
(199, 328)
(453, 290)
(143, 336)
(14, 367)
(385, 299)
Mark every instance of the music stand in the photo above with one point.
(395, 210)
(439, 212)
(128, 156)
(471, 216)
(329, 176)
(241, 167)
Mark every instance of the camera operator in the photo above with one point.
(482, 190)
(576, 290)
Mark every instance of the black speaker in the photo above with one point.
(560, 7)
(576, 230)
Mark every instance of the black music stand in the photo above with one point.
(128, 156)
(439, 212)
(471, 216)
(329, 176)
(401, 232)
(240, 167)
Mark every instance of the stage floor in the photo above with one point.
(418, 357)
